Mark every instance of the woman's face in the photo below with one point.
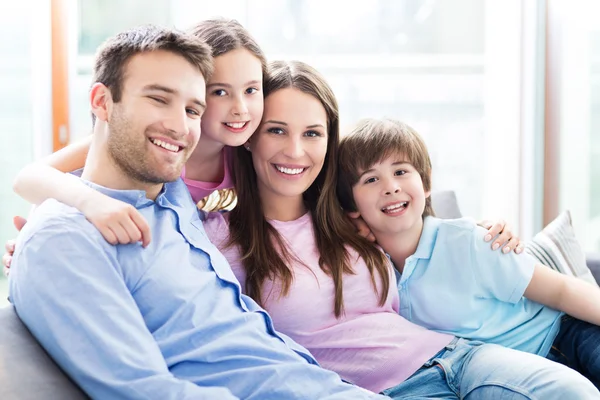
(290, 145)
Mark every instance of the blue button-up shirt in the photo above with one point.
(456, 284)
(165, 322)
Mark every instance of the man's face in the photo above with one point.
(155, 126)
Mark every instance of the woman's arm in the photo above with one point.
(571, 295)
(118, 222)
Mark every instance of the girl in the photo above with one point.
(294, 251)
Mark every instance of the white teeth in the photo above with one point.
(235, 125)
(395, 206)
(289, 171)
(168, 146)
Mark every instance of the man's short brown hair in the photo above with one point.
(114, 54)
(372, 141)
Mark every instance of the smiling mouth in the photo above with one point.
(236, 125)
(167, 146)
(289, 171)
(394, 208)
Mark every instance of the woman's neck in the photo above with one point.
(282, 208)
(206, 164)
(399, 246)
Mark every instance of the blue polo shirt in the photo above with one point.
(165, 322)
(456, 284)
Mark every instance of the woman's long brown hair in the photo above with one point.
(265, 255)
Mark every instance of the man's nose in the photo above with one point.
(177, 122)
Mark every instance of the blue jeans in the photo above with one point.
(474, 370)
(577, 346)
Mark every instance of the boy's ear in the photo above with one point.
(100, 101)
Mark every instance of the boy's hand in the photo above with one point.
(361, 226)
(117, 221)
(19, 223)
(505, 240)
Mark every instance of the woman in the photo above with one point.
(294, 252)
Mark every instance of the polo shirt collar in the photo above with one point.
(428, 236)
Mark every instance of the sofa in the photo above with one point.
(28, 373)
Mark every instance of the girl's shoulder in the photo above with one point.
(216, 225)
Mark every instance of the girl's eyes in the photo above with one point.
(371, 180)
(400, 172)
(222, 92)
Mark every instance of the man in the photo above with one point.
(167, 321)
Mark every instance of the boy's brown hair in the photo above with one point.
(373, 140)
(114, 54)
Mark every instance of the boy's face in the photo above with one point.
(390, 196)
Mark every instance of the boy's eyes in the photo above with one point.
(371, 180)
(219, 92)
(400, 172)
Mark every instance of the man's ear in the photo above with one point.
(100, 101)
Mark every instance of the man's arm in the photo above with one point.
(571, 295)
(70, 291)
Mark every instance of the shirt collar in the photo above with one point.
(428, 236)
(172, 193)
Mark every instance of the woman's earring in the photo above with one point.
(247, 147)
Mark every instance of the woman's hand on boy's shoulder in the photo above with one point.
(504, 237)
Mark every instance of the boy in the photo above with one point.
(448, 280)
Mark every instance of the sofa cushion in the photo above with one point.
(557, 247)
(445, 204)
(26, 371)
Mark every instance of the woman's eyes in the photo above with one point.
(251, 90)
(277, 131)
(313, 134)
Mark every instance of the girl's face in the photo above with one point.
(289, 148)
(234, 98)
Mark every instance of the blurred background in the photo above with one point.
(506, 93)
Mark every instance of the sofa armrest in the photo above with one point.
(26, 370)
